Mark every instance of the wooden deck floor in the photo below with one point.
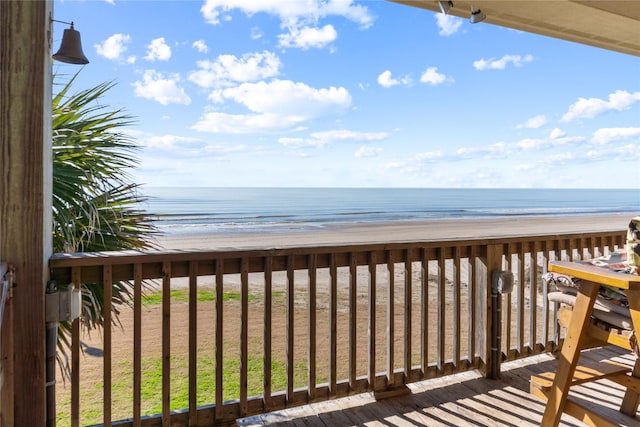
(460, 400)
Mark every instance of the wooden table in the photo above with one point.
(592, 278)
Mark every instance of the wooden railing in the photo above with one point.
(328, 321)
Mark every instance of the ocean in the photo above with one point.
(250, 210)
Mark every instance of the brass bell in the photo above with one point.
(71, 48)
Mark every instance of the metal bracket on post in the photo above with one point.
(501, 283)
(6, 287)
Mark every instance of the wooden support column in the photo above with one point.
(491, 261)
(25, 202)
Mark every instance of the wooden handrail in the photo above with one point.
(388, 291)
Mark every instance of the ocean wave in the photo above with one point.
(278, 210)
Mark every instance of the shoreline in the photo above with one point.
(387, 232)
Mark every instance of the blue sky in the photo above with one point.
(340, 93)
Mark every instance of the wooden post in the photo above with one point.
(492, 261)
(25, 202)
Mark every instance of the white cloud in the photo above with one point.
(288, 97)
(561, 158)
(299, 18)
(591, 107)
(366, 151)
(160, 88)
(607, 135)
(169, 142)
(416, 162)
(275, 105)
(200, 46)
(630, 153)
(158, 50)
(501, 64)
(347, 135)
(448, 24)
(114, 46)
(321, 139)
(531, 144)
(301, 142)
(290, 12)
(385, 79)
(499, 150)
(534, 122)
(525, 167)
(177, 147)
(256, 33)
(229, 69)
(218, 150)
(429, 156)
(432, 76)
(298, 154)
(503, 149)
(557, 137)
(308, 37)
(557, 133)
(237, 124)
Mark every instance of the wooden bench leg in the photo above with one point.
(570, 353)
(631, 397)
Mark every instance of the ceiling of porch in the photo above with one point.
(608, 24)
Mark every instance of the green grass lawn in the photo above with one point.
(91, 395)
(208, 294)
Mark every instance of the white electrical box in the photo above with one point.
(63, 306)
(70, 304)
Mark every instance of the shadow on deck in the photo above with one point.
(465, 399)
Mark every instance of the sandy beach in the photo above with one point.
(401, 232)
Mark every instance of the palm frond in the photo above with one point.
(96, 207)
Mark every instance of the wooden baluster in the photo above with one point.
(333, 325)
(533, 275)
(371, 373)
(106, 331)
(166, 344)
(440, 356)
(506, 306)
(408, 311)
(545, 301)
(520, 309)
(471, 302)
(456, 307)
(219, 271)
(312, 292)
(390, 320)
(268, 309)
(290, 329)
(137, 344)
(424, 307)
(244, 334)
(76, 274)
(353, 319)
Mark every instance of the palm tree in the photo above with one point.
(96, 207)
